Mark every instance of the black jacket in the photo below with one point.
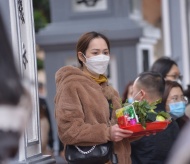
(154, 149)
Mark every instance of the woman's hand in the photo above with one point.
(117, 134)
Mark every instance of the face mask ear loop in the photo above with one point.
(84, 57)
(136, 95)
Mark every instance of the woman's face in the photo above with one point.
(97, 46)
(175, 95)
(173, 74)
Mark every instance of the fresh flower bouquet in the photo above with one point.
(142, 114)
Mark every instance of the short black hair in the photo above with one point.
(152, 82)
(163, 65)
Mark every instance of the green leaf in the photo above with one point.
(156, 102)
(164, 114)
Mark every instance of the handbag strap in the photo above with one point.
(85, 152)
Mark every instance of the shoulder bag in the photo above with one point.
(97, 154)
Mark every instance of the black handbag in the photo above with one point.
(97, 154)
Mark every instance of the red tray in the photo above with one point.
(152, 127)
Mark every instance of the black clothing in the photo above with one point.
(154, 149)
(43, 103)
(181, 121)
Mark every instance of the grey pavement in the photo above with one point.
(60, 160)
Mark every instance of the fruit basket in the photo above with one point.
(141, 118)
(139, 130)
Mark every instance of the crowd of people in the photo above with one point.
(159, 148)
(82, 104)
(85, 106)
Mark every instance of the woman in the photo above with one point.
(81, 101)
(174, 101)
(14, 101)
(128, 94)
(170, 71)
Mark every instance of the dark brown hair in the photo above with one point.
(84, 40)
(168, 87)
(125, 94)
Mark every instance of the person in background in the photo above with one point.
(174, 99)
(46, 125)
(176, 106)
(148, 86)
(45, 128)
(127, 95)
(15, 101)
(156, 148)
(170, 71)
(81, 101)
(175, 103)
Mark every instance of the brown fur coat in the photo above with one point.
(82, 111)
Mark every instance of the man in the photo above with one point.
(151, 149)
(148, 86)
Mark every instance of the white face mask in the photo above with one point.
(97, 64)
